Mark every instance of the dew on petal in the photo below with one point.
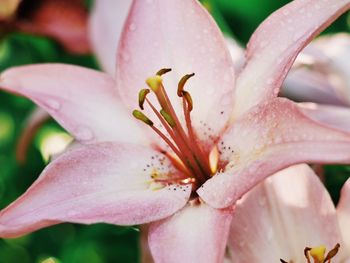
(53, 104)
(132, 27)
(84, 134)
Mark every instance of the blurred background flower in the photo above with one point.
(56, 31)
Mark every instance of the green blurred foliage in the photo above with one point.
(71, 243)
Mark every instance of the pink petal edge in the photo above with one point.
(274, 46)
(194, 234)
(82, 100)
(267, 139)
(104, 182)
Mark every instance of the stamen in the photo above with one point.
(190, 157)
(182, 83)
(163, 71)
(168, 118)
(142, 97)
(184, 154)
(142, 117)
(318, 254)
(188, 99)
(332, 253)
(306, 254)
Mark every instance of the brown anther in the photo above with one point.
(182, 83)
(188, 99)
(163, 71)
(306, 254)
(142, 117)
(283, 261)
(142, 97)
(168, 118)
(332, 253)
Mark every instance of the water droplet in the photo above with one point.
(226, 101)
(84, 134)
(262, 201)
(227, 77)
(126, 57)
(132, 27)
(270, 234)
(285, 12)
(263, 43)
(71, 213)
(53, 104)
(269, 81)
(297, 35)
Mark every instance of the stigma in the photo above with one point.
(186, 153)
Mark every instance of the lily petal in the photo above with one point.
(105, 182)
(332, 116)
(83, 101)
(325, 75)
(304, 84)
(275, 45)
(106, 23)
(194, 234)
(187, 40)
(343, 211)
(271, 137)
(292, 208)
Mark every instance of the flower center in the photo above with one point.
(188, 155)
(318, 254)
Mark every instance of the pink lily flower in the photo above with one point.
(296, 214)
(184, 167)
(321, 73)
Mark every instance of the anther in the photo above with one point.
(168, 118)
(142, 97)
(188, 99)
(154, 82)
(163, 71)
(142, 117)
(182, 83)
(332, 253)
(306, 254)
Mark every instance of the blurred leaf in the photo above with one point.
(335, 177)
